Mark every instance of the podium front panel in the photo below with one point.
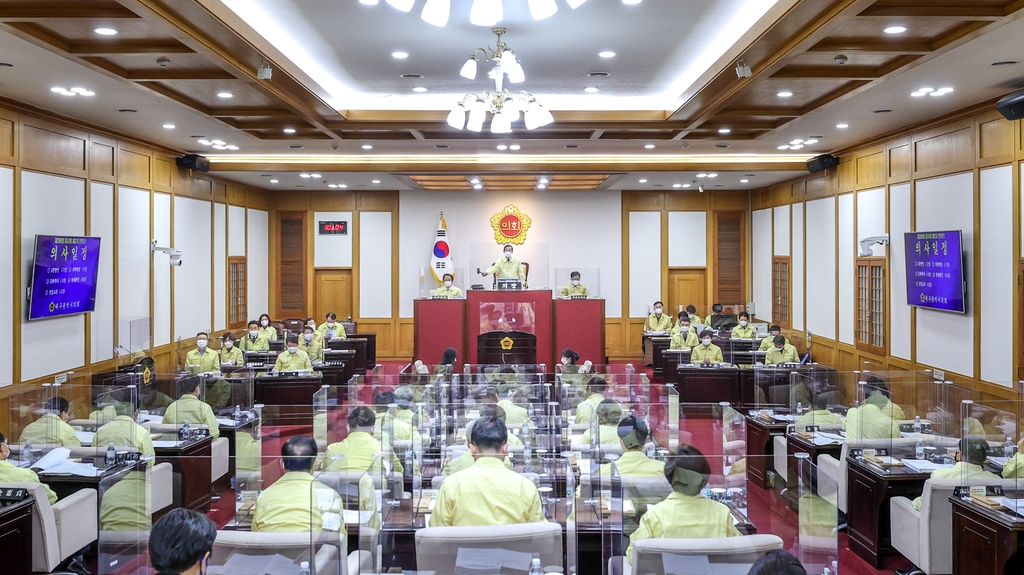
(579, 325)
(440, 324)
(525, 310)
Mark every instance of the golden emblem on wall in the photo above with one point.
(506, 343)
(510, 225)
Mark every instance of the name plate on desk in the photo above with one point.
(13, 494)
(577, 297)
(878, 452)
(964, 491)
(439, 297)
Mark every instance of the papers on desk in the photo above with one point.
(357, 517)
(826, 438)
(150, 418)
(492, 559)
(1014, 505)
(56, 463)
(166, 443)
(999, 462)
(226, 421)
(85, 437)
(241, 564)
(923, 465)
(656, 333)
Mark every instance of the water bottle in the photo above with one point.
(799, 408)
(535, 568)
(917, 424)
(524, 434)
(1009, 447)
(184, 433)
(649, 449)
(238, 413)
(111, 458)
(304, 568)
(27, 456)
(919, 450)
(408, 462)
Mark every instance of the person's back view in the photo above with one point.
(181, 543)
(190, 408)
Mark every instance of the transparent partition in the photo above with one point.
(125, 519)
(248, 449)
(817, 538)
(37, 422)
(989, 441)
(428, 285)
(589, 286)
(133, 339)
(533, 257)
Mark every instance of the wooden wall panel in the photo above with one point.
(871, 170)
(816, 186)
(44, 149)
(8, 127)
(847, 176)
(406, 337)
(899, 163)
(333, 202)
(386, 336)
(101, 161)
(738, 200)
(135, 167)
(687, 202)
(377, 202)
(613, 338)
(944, 154)
(642, 201)
(162, 170)
(995, 140)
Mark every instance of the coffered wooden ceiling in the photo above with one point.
(181, 51)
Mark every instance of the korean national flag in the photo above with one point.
(441, 256)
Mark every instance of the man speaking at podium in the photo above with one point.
(507, 267)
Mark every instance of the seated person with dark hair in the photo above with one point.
(122, 431)
(586, 411)
(360, 448)
(297, 503)
(869, 421)
(448, 290)
(575, 288)
(310, 345)
(190, 408)
(254, 340)
(514, 414)
(744, 330)
(891, 409)
(181, 543)
(9, 473)
(769, 342)
(609, 413)
(229, 352)
(658, 320)
(685, 514)
(52, 428)
(706, 352)
(819, 415)
(716, 309)
(969, 459)
(777, 562)
(633, 434)
(331, 329)
(201, 359)
(781, 353)
(292, 358)
(466, 460)
(487, 493)
(683, 336)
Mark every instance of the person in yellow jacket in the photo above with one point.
(310, 345)
(819, 415)
(230, 353)
(716, 309)
(609, 413)
(869, 421)
(769, 342)
(633, 434)
(448, 289)
(781, 353)
(890, 408)
(9, 473)
(360, 450)
(123, 506)
(1015, 466)
(253, 341)
(466, 460)
(586, 411)
(744, 330)
(331, 329)
(292, 358)
(487, 493)
(297, 503)
(122, 431)
(190, 408)
(575, 288)
(52, 428)
(683, 336)
(658, 320)
(968, 467)
(386, 406)
(507, 267)
(685, 513)
(266, 330)
(706, 352)
(201, 359)
(312, 323)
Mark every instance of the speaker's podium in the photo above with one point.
(505, 347)
(512, 313)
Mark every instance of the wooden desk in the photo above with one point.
(67, 485)
(286, 390)
(794, 445)
(191, 461)
(708, 384)
(16, 536)
(357, 345)
(525, 310)
(869, 489)
(371, 347)
(760, 449)
(986, 541)
(653, 348)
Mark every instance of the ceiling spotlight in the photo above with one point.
(590, 89)
(541, 186)
(606, 54)
(724, 130)
(796, 141)
(478, 187)
(702, 175)
(650, 146)
(700, 189)
(168, 126)
(315, 176)
(332, 185)
(231, 147)
(225, 95)
(502, 147)
(642, 181)
(784, 94)
(783, 147)
(205, 142)
(475, 181)
(419, 89)
(105, 31)
(686, 185)
(544, 180)
(289, 130)
(274, 181)
(218, 147)
(218, 142)
(796, 147)
(742, 70)
(712, 175)
(304, 175)
(811, 141)
(894, 29)
(842, 126)
(400, 55)
(677, 185)
(367, 147)
(375, 181)
(514, 147)
(630, 1)
(744, 181)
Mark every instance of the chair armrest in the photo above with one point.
(905, 524)
(77, 521)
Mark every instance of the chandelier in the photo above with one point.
(503, 104)
(482, 13)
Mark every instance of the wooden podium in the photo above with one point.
(522, 310)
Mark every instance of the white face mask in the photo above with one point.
(508, 255)
(201, 343)
(706, 341)
(254, 334)
(657, 311)
(743, 323)
(684, 328)
(330, 325)
(308, 336)
(229, 344)
(447, 283)
(575, 282)
(293, 348)
(264, 323)
(777, 348)
(565, 361)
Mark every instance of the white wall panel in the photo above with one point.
(193, 295)
(871, 218)
(575, 239)
(846, 255)
(781, 222)
(133, 261)
(257, 262)
(821, 255)
(375, 264)
(997, 274)
(761, 255)
(334, 250)
(899, 311)
(101, 225)
(644, 262)
(947, 204)
(236, 232)
(220, 268)
(796, 269)
(687, 239)
(162, 270)
(6, 263)
(50, 205)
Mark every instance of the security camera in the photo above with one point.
(173, 254)
(866, 243)
(841, 59)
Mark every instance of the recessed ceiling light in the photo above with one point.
(342, 185)
(842, 126)
(225, 95)
(590, 89)
(304, 175)
(630, 1)
(515, 147)
(274, 181)
(127, 111)
(796, 147)
(105, 31)
(400, 55)
(650, 146)
(475, 181)
(478, 187)
(412, 76)
(744, 181)
(796, 141)
(541, 186)
(686, 185)
(702, 175)
(205, 142)
(606, 54)
(724, 130)
(315, 176)
(289, 130)
(677, 185)
(811, 141)
(168, 126)
(783, 147)
(784, 94)
(894, 29)
(712, 175)
(219, 147)
(999, 63)
(219, 142)
(367, 147)
(231, 147)
(642, 181)
(502, 147)
(420, 89)
(543, 180)
(296, 146)
(375, 181)
(332, 185)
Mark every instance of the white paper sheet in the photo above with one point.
(226, 421)
(85, 437)
(923, 465)
(166, 443)
(72, 468)
(55, 457)
(1015, 505)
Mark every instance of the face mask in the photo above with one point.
(657, 311)
(308, 336)
(330, 325)
(777, 348)
(448, 283)
(743, 324)
(565, 361)
(201, 344)
(575, 282)
(264, 323)
(706, 341)
(229, 344)
(508, 255)
(254, 334)
(684, 328)
(293, 348)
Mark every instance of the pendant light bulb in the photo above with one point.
(436, 12)
(457, 117)
(574, 4)
(541, 9)
(403, 5)
(486, 12)
(469, 69)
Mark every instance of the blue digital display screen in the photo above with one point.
(64, 276)
(935, 270)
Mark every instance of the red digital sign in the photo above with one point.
(331, 228)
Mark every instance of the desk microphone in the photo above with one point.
(804, 360)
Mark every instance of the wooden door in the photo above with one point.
(333, 293)
(238, 299)
(291, 267)
(686, 287)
